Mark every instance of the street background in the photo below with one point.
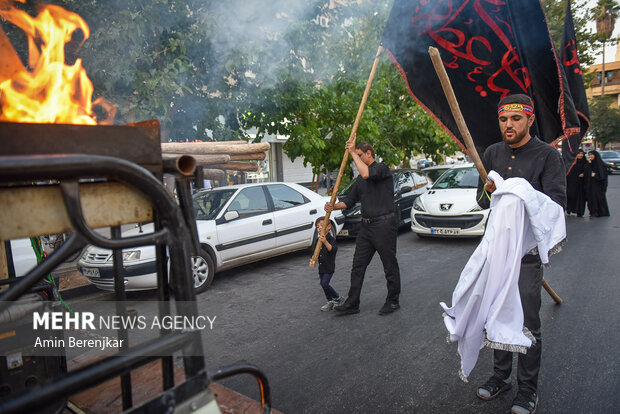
(268, 314)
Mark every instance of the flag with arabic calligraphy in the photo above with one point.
(490, 48)
(574, 78)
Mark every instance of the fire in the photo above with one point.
(49, 91)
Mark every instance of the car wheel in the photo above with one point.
(203, 271)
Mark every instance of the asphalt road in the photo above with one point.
(268, 314)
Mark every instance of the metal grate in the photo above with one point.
(450, 222)
(96, 258)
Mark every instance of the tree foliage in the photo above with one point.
(586, 40)
(605, 120)
(315, 104)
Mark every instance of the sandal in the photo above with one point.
(492, 388)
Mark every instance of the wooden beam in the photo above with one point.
(31, 211)
(258, 156)
(194, 148)
(237, 166)
(212, 174)
(202, 159)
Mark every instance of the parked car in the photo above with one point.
(424, 163)
(408, 184)
(449, 207)
(236, 225)
(434, 172)
(611, 160)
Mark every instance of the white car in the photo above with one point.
(449, 207)
(236, 225)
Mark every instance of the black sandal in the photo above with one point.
(494, 386)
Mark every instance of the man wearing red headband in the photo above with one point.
(526, 156)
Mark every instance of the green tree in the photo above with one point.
(315, 103)
(288, 67)
(605, 120)
(555, 11)
(605, 13)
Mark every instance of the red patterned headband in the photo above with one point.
(515, 107)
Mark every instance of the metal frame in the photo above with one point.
(172, 231)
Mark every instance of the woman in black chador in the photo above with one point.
(597, 202)
(576, 189)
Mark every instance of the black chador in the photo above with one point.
(576, 188)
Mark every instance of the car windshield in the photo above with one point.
(609, 154)
(458, 178)
(434, 174)
(208, 204)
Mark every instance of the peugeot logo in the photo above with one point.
(445, 207)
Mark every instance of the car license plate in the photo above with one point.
(90, 272)
(445, 232)
(344, 232)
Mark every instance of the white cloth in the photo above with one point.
(486, 298)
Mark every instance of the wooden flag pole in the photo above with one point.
(345, 158)
(469, 142)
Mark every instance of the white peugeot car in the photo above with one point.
(449, 207)
(236, 225)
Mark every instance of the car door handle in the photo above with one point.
(312, 212)
(266, 222)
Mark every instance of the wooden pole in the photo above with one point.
(201, 159)
(469, 142)
(236, 166)
(456, 111)
(195, 148)
(345, 158)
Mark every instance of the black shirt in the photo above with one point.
(327, 259)
(376, 193)
(538, 162)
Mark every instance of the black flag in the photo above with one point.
(574, 78)
(490, 48)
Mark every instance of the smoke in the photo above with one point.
(265, 33)
(190, 63)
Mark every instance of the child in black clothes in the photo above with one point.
(327, 265)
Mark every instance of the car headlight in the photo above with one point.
(476, 208)
(128, 256)
(417, 205)
(612, 163)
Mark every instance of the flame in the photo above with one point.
(50, 91)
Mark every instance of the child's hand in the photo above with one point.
(322, 239)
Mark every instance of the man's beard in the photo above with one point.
(516, 138)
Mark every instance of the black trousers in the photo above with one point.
(530, 282)
(377, 236)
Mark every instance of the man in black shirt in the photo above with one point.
(526, 156)
(374, 188)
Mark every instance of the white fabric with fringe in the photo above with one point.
(486, 306)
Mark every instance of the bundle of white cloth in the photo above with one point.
(486, 307)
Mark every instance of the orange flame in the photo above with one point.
(51, 91)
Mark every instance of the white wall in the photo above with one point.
(294, 171)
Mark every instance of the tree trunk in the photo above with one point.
(210, 148)
(202, 159)
(212, 174)
(237, 166)
(256, 156)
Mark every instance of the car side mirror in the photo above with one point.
(231, 215)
